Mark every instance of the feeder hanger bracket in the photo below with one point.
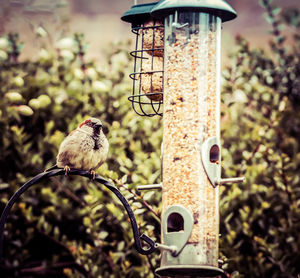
(60, 172)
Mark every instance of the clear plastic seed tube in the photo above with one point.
(191, 115)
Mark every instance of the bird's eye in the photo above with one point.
(97, 125)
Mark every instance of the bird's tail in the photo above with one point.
(51, 168)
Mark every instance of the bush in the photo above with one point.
(260, 130)
(83, 230)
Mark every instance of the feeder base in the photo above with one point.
(190, 271)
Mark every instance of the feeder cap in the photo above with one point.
(138, 13)
(219, 8)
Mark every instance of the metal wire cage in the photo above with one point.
(147, 90)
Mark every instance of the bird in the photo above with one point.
(85, 148)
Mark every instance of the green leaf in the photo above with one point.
(269, 18)
(86, 221)
(149, 195)
(103, 235)
(276, 10)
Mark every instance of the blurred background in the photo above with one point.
(63, 61)
(100, 21)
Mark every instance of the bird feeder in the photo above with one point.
(191, 134)
(147, 93)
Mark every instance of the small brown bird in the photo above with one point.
(85, 148)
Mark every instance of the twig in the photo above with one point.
(68, 192)
(144, 203)
(276, 31)
(52, 239)
(57, 242)
(151, 265)
(107, 257)
(285, 181)
(42, 269)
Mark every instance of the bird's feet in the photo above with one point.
(93, 174)
(67, 170)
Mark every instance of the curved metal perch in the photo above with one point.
(111, 187)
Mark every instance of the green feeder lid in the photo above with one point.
(138, 13)
(219, 8)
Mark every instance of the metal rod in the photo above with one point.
(149, 186)
(172, 249)
(230, 180)
(60, 172)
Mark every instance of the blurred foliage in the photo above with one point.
(260, 219)
(67, 227)
(70, 227)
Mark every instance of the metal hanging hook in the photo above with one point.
(60, 172)
(176, 24)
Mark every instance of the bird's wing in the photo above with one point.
(69, 150)
(64, 158)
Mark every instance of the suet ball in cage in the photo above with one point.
(153, 37)
(151, 78)
(147, 92)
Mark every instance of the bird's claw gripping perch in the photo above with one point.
(93, 174)
(67, 170)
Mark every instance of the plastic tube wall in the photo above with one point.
(191, 116)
